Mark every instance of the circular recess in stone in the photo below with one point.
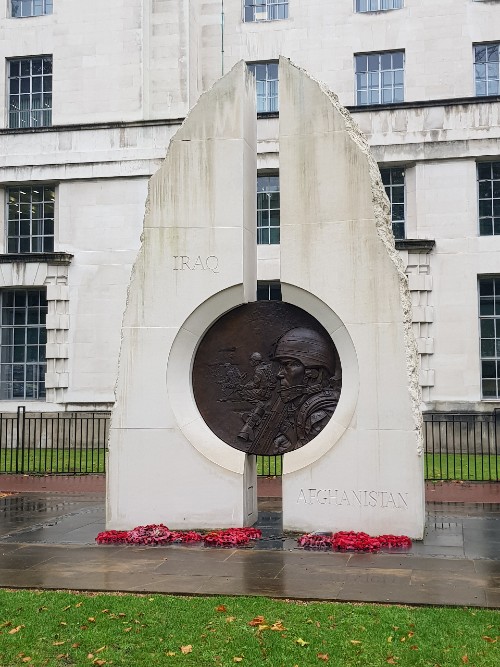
(266, 377)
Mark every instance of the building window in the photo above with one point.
(266, 76)
(22, 344)
(265, 10)
(486, 69)
(377, 5)
(394, 183)
(22, 8)
(30, 92)
(380, 77)
(489, 320)
(30, 218)
(488, 176)
(268, 209)
(268, 291)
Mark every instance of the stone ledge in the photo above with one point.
(61, 258)
(415, 245)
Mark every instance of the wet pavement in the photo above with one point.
(47, 541)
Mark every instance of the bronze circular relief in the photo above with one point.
(266, 377)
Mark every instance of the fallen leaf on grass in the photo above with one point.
(63, 623)
(78, 604)
(323, 656)
(355, 641)
(99, 663)
(414, 648)
(237, 658)
(14, 630)
(100, 649)
(105, 611)
(66, 608)
(258, 620)
(62, 656)
(91, 619)
(391, 660)
(278, 626)
(27, 659)
(263, 627)
(90, 656)
(6, 624)
(170, 653)
(489, 639)
(127, 629)
(76, 645)
(186, 649)
(301, 642)
(58, 643)
(221, 607)
(465, 659)
(230, 619)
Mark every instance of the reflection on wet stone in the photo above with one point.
(267, 378)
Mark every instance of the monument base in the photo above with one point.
(370, 482)
(164, 482)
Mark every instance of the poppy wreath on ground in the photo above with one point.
(231, 537)
(154, 534)
(158, 534)
(351, 541)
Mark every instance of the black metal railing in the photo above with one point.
(458, 446)
(462, 446)
(68, 443)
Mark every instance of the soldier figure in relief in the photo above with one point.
(304, 401)
(308, 387)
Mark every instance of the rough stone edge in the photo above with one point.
(147, 212)
(381, 208)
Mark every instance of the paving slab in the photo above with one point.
(47, 541)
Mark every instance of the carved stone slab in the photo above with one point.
(267, 378)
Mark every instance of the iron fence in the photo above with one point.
(461, 446)
(68, 443)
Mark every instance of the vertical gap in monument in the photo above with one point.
(269, 468)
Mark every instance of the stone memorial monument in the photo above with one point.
(328, 377)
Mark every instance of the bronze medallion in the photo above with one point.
(267, 378)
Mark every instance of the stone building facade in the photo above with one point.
(92, 94)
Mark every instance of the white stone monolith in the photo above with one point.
(364, 471)
(197, 260)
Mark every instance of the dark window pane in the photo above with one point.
(486, 307)
(486, 227)
(488, 328)
(486, 287)
(489, 369)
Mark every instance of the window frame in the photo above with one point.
(494, 168)
(47, 8)
(476, 64)
(15, 118)
(379, 9)
(495, 319)
(269, 209)
(8, 351)
(268, 4)
(252, 66)
(359, 90)
(273, 288)
(392, 203)
(36, 227)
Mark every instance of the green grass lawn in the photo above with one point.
(269, 466)
(462, 467)
(58, 629)
(52, 460)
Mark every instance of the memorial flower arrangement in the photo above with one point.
(159, 534)
(351, 541)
